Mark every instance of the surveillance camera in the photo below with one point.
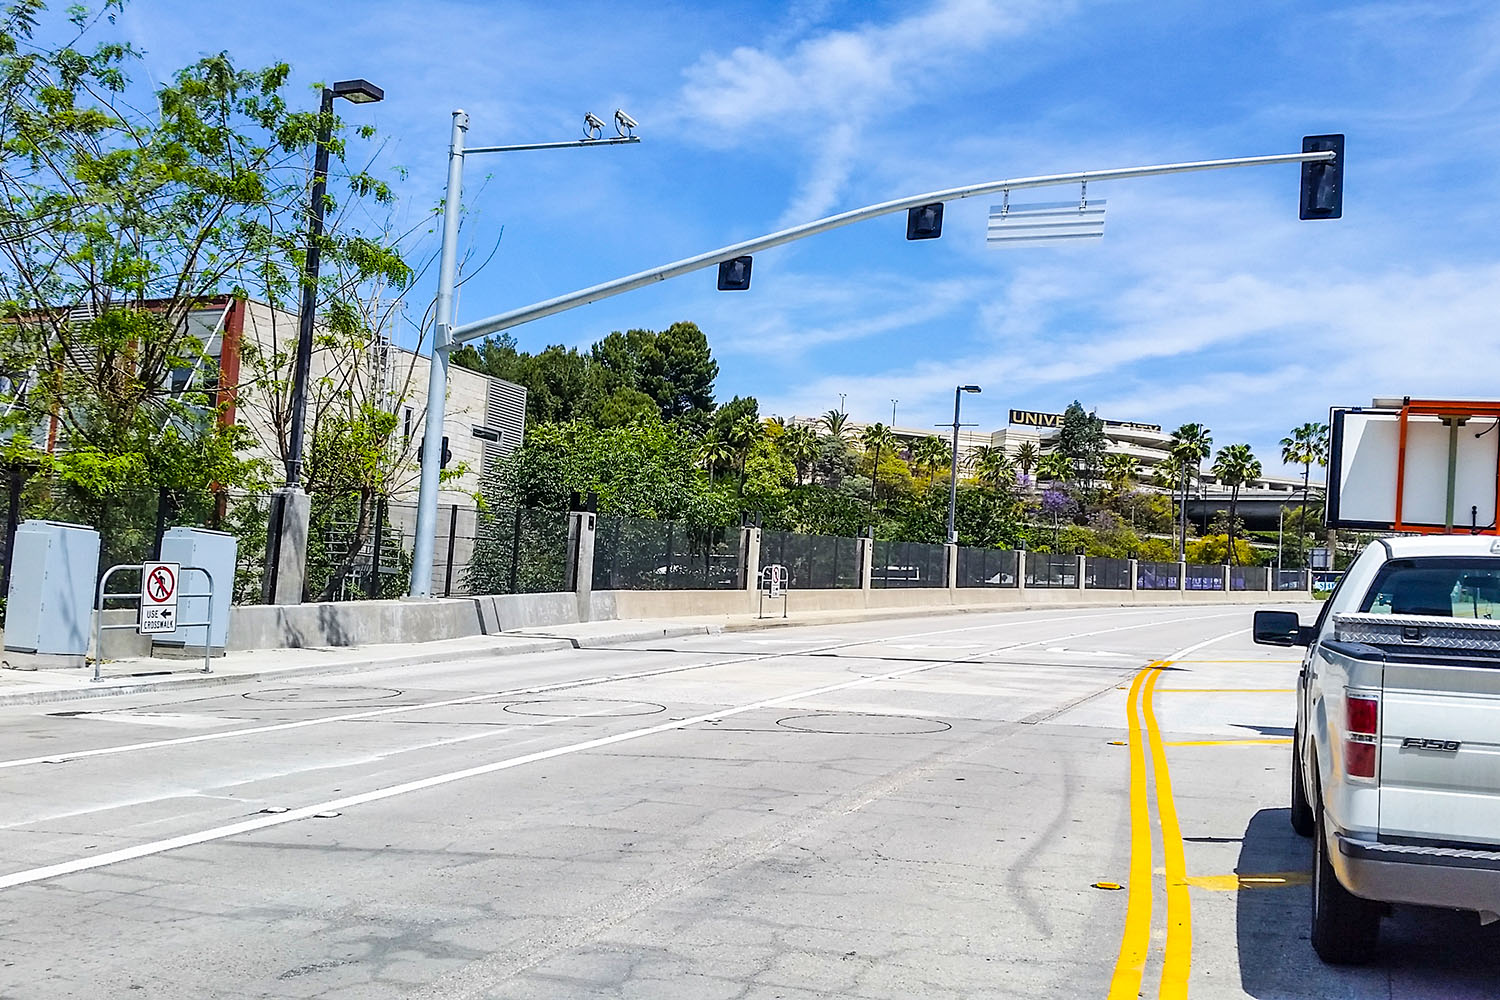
(623, 122)
(592, 126)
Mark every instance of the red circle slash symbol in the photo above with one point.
(160, 585)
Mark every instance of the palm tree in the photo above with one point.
(741, 437)
(837, 423)
(1191, 444)
(876, 437)
(992, 466)
(1026, 458)
(1119, 470)
(1235, 465)
(1307, 444)
(932, 454)
(800, 446)
(713, 453)
(1054, 466)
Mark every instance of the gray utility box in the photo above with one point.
(49, 610)
(216, 552)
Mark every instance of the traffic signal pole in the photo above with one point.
(448, 336)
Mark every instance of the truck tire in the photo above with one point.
(1345, 928)
(1303, 820)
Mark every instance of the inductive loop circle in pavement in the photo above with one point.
(602, 708)
(863, 724)
(58, 756)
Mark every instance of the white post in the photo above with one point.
(1135, 574)
(437, 375)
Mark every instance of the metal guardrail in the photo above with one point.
(105, 595)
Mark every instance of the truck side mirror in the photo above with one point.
(1280, 628)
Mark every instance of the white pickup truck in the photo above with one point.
(1396, 754)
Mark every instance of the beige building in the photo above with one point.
(485, 417)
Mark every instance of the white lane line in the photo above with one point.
(333, 805)
(65, 756)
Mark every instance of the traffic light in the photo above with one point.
(925, 222)
(1323, 183)
(447, 455)
(734, 275)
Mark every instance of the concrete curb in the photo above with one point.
(133, 685)
(872, 614)
(639, 634)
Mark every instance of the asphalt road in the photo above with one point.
(910, 808)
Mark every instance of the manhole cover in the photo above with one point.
(567, 707)
(863, 724)
(316, 695)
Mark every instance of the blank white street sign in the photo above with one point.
(159, 598)
(1045, 223)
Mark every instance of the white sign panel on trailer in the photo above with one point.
(1367, 462)
(159, 597)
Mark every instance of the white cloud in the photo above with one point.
(828, 88)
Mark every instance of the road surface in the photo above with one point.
(934, 807)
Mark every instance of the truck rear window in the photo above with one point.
(1448, 587)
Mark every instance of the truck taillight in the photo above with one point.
(1362, 721)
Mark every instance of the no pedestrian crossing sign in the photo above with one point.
(158, 598)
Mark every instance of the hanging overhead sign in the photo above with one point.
(1045, 223)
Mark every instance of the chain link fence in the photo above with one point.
(813, 562)
(908, 564)
(634, 554)
(986, 567)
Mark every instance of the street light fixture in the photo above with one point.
(958, 395)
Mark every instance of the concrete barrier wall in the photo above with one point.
(351, 623)
(697, 603)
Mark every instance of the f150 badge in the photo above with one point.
(1417, 743)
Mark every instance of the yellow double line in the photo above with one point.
(1135, 943)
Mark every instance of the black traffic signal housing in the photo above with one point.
(447, 455)
(734, 275)
(1322, 183)
(925, 222)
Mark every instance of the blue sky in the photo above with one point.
(1207, 300)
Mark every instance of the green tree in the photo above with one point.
(1119, 471)
(1054, 467)
(1306, 444)
(876, 438)
(992, 467)
(675, 368)
(715, 453)
(836, 422)
(1081, 440)
(742, 436)
(1191, 444)
(932, 455)
(1234, 466)
(120, 217)
(1027, 456)
(800, 446)
(556, 380)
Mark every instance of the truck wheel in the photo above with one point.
(1345, 928)
(1303, 820)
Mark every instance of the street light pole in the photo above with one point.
(358, 92)
(290, 513)
(423, 549)
(958, 395)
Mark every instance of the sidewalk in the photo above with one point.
(141, 675)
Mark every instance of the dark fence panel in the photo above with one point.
(813, 562)
(1291, 579)
(516, 550)
(1204, 577)
(1106, 574)
(1247, 577)
(908, 564)
(1047, 570)
(986, 567)
(631, 554)
(1156, 575)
